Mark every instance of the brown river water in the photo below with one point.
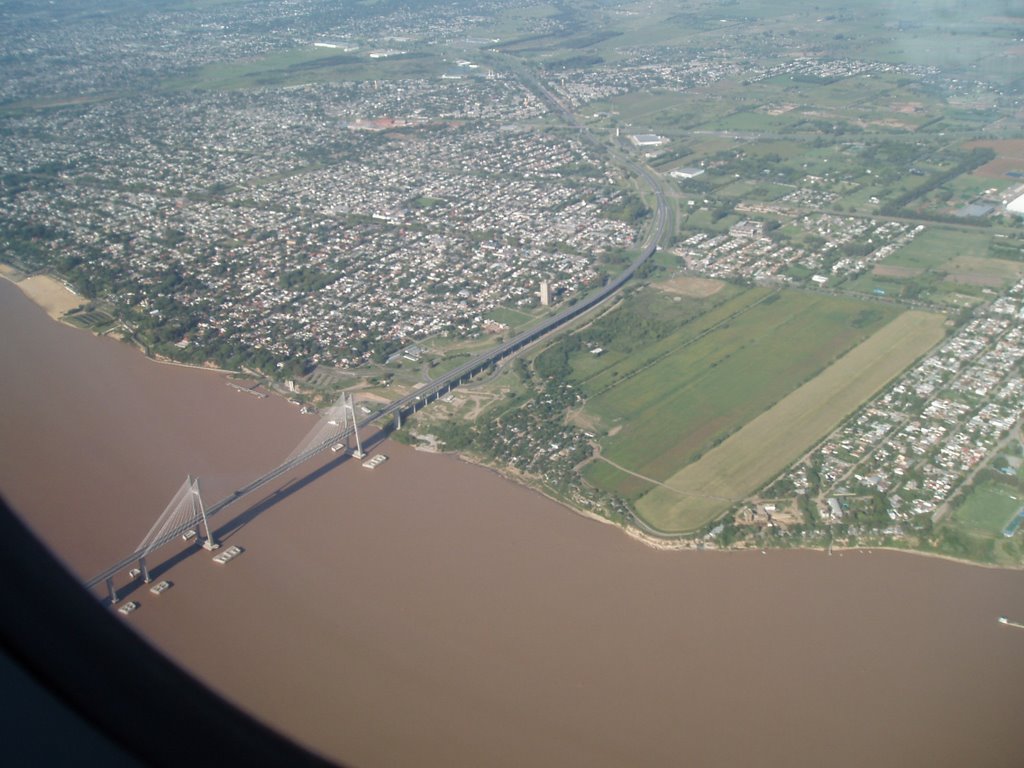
(429, 612)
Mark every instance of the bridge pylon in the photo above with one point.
(200, 510)
(349, 405)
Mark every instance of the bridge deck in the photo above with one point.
(430, 391)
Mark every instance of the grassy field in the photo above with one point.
(872, 284)
(754, 190)
(940, 260)
(604, 475)
(681, 397)
(936, 247)
(988, 509)
(598, 373)
(767, 444)
(514, 318)
(980, 270)
(306, 65)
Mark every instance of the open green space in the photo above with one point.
(940, 260)
(604, 475)
(637, 107)
(453, 345)
(513, 318)
(988, 508)
(982, 270)
(446, 364)
(596, 373)
(511, 22)
(754, 190)
(895, 286)
(672, 407)
(307, 65)
(971, 186)
(975, 529)
(766, 445)
(756, 121)
(937, 246)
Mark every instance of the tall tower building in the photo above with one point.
(545, 293)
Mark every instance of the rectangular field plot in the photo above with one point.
(617, 362)
(988, 509)
(510, 317)
(673, 407)
(936, 247)
(987, 272)
(769, 443)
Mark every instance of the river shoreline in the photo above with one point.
(50, 294)
(56, 299)
(426, 613)
(681, 544)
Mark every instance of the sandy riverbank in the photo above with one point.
(56, 299)
(49, 293)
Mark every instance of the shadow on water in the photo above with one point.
(240, 520)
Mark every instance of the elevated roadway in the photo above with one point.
(425, 394)
(430, 391)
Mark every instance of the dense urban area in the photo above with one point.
(363, 196)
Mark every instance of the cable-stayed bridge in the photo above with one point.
(338, 423)
(186, 511)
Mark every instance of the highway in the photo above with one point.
(428, 392)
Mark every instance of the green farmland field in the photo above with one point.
(663, 411)
(767, 444)
(936, 247)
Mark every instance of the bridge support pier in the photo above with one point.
(398, 420)
(144, 569)
(111, 592)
